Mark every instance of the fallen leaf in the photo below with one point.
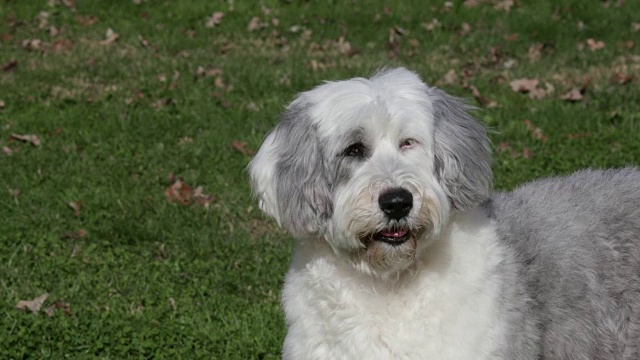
(184, 140)
(450, 78)
(535, 131)
(573, 95)
(53, 31)
(2, 105)
(252, 107)
(617, 77)
(635, 27)
(159, 104)
(179, 192)
(143, 41)
(15, 193)
(111, 37)
(74, 235)
(32, 305)
(502, 147)
(202, 198)
(535, 52)
(7, 150)
(30, 138)
(431, 25)
(32, 44)
(527, 154)
(86, 20)
(59, 304)
(62, 45)
(255, 24)
(76, 206)
(594, 45)
(537, 94)
(214, 20)
(10, 65)
(481, 99)
(241, 146)
(523, 85)
(504, 5)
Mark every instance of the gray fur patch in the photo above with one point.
(302, 187)
(577, 245)
(462, 152)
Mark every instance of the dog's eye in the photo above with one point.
(357, 150)
(407, 144)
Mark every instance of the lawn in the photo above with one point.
(126, 127)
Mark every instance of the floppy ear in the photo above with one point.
(288, 174)
(462, 152)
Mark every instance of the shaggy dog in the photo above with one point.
(403, 252)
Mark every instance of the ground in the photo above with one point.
(126, 127)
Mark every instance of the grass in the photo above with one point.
(142, 277)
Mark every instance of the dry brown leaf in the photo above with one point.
(252, 107)
(2, 105)
(573, 95)
(621, 78)
(203, 199)
(32, 44)
(30, 138)
(159, 104)
(185, 139)
(74, 235)
(111, 37)
(450, 78)
(7, 150)
(62, 45)
(535, 52)
(241, 146)
(144, 42)
(635, 27)
(179, 192)
(430, 25)
(32, 305)
(535, 131)
(76, 206)
(86, 20)
(214, 20)
(527, 154)
(59, 304)
(256, 24)
(481, 99)
(594, 45)
(523, 85)
(537, 94)
(10, 65)
(504, 5)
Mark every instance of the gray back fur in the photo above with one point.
(462, 152)
(577, 247)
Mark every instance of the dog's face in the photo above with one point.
(373, 166)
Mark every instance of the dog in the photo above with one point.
(404, 252)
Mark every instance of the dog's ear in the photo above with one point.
(288, 174)
(462, 151)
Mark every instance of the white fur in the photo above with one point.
(443, 307)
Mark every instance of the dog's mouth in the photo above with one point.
(393, 237)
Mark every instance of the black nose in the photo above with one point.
(396, 203)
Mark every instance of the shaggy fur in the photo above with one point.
(404, 253)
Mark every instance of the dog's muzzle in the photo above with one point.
(395, 204)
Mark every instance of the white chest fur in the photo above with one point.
(445, 307)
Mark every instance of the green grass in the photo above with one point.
(154, 279)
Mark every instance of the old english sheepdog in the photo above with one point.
(403, 251)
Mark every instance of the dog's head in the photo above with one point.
(373, 166)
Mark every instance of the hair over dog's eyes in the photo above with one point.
(357, 150)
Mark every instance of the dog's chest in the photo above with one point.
(448, 313)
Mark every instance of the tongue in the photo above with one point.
(394, 233)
